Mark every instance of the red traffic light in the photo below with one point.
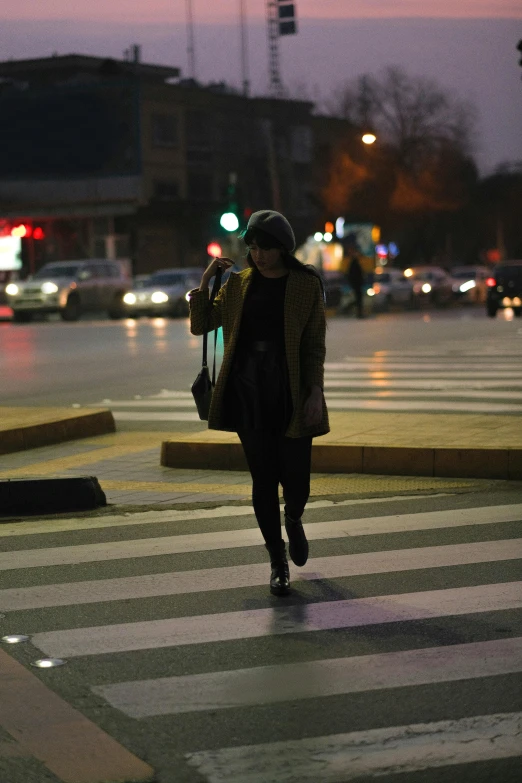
(214, 250)
(38, 233)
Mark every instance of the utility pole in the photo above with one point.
(191, 51)
(244, 49)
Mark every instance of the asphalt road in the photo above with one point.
(397, 654)
(455, 359)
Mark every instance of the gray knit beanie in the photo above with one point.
(276, 225)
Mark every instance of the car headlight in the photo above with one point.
(426, 288)
(370, 292)
(12, 289)
(467, 286)
(49, 288)
(159, 297)
(129, 299)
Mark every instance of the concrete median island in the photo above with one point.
(400, 444)
(29, 428)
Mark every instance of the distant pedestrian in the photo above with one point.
(356, 279)
(270, 387)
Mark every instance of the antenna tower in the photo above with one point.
(191, 51)
(244, 48)
(272, 17)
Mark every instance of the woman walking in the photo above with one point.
(270, 387)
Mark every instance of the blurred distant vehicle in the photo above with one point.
(430, 284)
(6, 276)
(390, 288)
(164, 293)
(469, 283)
(70, 288)
(505, 288)
(140, 281)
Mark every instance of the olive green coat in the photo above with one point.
(305, 327)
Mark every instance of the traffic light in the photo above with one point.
(287, 20)
(229, 221)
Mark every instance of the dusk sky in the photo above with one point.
(469, 46)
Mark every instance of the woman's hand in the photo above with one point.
(313, 407)
(210, 271)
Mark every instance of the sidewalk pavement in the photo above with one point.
(366, 454)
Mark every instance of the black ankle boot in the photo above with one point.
(297, 543)
(280, 574)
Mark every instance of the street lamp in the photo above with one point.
(369, 138)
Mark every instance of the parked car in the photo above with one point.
(505, 288)
(469, 283)
(70, 288)
(390, 287)
(163, 293)
(431, 284)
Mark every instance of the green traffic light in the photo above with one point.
(229, 221)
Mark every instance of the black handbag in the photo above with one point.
(203, 386)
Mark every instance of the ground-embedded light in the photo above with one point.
(15, 638)
(48, 663)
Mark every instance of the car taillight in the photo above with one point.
(491, 282)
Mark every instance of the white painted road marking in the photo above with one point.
(313, 679)
(174, 515)
(229, 539)
(366, 754)
(234, 577)
(257, 623)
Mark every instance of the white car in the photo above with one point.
(390, 288)
(70, 288)
(163, 293)
(469, 283)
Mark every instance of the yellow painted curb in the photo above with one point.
(64, 740)
(29, 428)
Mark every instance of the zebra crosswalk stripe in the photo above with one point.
(314, 679)
(227, 626)
(360, 754)
(230, 539)
(237, 576)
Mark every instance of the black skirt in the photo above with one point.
(257, 395)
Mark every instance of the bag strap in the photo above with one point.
(215, 289)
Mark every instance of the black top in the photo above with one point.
(264, 310)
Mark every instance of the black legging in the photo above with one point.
(272, 460)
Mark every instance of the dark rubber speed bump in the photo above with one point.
(49, 496)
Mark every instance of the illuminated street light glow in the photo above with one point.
(369, 138)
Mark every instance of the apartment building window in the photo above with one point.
(164, 130)
(166, 190)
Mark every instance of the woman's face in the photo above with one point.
(266, 260)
